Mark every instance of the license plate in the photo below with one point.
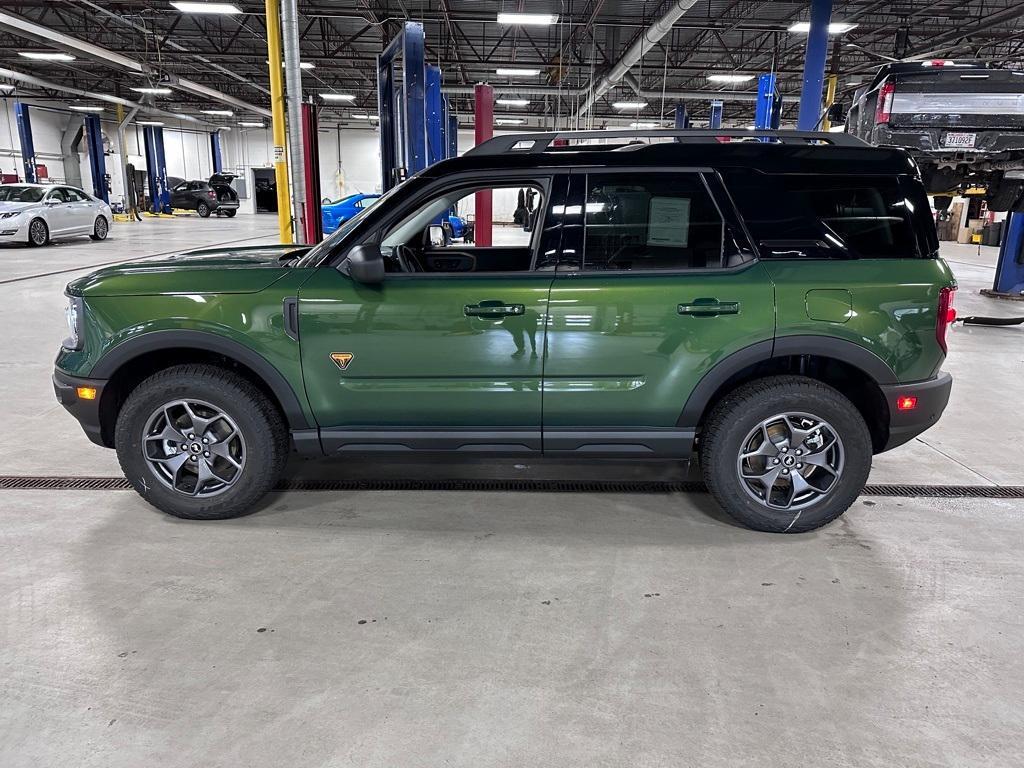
(960, 140)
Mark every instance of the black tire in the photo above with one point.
(203, 209)
(258, 420)
(1005, 196)
(100, 228)
(230, 213)
(38, 233)
(743, 410)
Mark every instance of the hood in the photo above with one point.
(215, 270)
(15, 206)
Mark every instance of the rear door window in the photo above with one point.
(801, 216)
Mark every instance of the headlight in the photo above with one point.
(73, 313)
(9, 214)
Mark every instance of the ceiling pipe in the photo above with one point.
(550, 90)
(648, 38)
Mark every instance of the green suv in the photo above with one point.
(774, 305)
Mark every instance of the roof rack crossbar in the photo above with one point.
(530, 143)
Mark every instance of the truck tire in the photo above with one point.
(230, 212)
(785, 454)
(203, 209)
(201, 443)
(1005, 196)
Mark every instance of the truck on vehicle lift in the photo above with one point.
(961, 121)
(774, 306)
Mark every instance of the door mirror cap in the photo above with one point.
(436, 236)
(52, 201)
(366, 264)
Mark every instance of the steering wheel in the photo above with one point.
(407, 259)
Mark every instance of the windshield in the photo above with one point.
(14, 194)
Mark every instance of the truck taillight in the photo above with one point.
(946, 316)
(886, 94)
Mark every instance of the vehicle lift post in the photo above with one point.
(768, 108)
(715, 118)
(401, 107)
(156, 168)
(814, 65)
(97, 164)
(28, 149)
(218, 163)
(483, 128)
(682, 120)
(1009, 279)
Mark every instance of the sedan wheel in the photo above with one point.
(100, 229)
(38, 232)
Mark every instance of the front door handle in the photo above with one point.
(709, 308)
(493, 309)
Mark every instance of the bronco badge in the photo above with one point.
(342, 359)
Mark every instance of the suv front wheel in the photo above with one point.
(200, 442)
(786, 454)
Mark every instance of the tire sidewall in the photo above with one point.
(744, 414)
(46, 229)
(203, 209)
(100, 228)
(262, 458)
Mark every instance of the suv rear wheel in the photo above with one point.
(201, 443)
(786, 454)
(203, 209)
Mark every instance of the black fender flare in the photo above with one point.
(125, 352)
(783, 346)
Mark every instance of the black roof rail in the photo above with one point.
(529, 143)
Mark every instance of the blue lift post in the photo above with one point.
(1009, 280)
(97, 163)
(682, 119)
(715, 120)
(156, 168)
(28, 149)
(218, 162)
(452, 133)
(814, 65)
(437, 149)
(402, 107)
(768, 109)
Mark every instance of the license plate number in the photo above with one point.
(960, 140)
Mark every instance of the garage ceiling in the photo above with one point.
(341, 40)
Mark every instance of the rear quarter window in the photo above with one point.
(807, 216)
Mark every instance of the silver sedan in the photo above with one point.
(35, 213)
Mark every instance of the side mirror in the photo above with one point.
(51, 201)
(436, 236)
(366, 264)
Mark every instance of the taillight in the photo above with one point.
(946, 316)
(885, 96)
(211, 194)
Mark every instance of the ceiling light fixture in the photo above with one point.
(162, 91)
(364, 116)
(307, 65)
(44, 56)
(509, 121)
(222, 112)
(528, 19)
(337, 97)
(512, 102)
(83, 108)
(516, 72)
(734, 78)
(191, 7)
(836, 28)
(643, 125)
(148, 122)
(630, 105)
(252, 125)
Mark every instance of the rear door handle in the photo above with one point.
(493, 309)
(709, 308)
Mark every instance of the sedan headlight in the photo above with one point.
(9, 214)
(74, 313)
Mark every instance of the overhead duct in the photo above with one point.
(551, 90)
(644, 43)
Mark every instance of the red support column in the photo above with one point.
(483, 96)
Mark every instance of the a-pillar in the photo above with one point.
(483, 127)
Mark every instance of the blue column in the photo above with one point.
(28, 149)
(814, 65)
(218, 162)
(414, 72)
(715, 120)
(682, 119)
(436, 150)
(97, 163)
(765, 105)
(156, 168)
(1010, 267)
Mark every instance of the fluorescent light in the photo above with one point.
(252, 125)
(6, 87)
(630, 105)
(337, 97)
(643, 125)
(508, 121)
(730, 78)
(512, 102)
(836, 28)
(223, 112)
(148, 122)
(187, 7)
(364, 116)
(152, 90)
(515, 72)
(79, 108)
(41, 56)
(528, 19)
(307, 65)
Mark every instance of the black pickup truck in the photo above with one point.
(963, 122)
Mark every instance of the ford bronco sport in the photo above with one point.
(773, 304)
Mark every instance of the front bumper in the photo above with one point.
(932, 396)
(13, 230)
(65, 387)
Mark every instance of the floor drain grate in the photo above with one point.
(55, 483)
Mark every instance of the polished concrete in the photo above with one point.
(478, 629)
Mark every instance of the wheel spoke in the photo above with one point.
(199, 423)
(766, 447)
(797, 435)
(767, 479)
(222, 448)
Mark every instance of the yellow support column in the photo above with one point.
(830, 99)
(277, 107)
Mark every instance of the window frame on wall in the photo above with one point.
(734, 231)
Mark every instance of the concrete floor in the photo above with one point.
(476, 629)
